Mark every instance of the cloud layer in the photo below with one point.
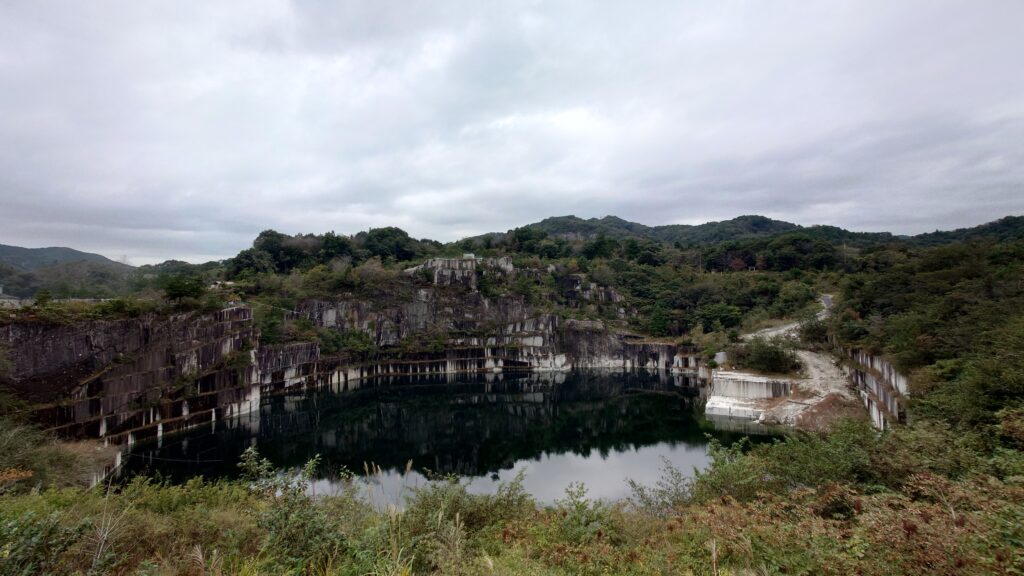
(182, 129)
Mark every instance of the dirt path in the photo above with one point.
(791, 328)
(822, 375)
(821, 394)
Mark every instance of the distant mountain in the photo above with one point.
(29, 259)
(751, 227)
(64, 271)
(1004, 229)
(738, 228)
(837, 235)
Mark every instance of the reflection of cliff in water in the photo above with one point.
(468, 425)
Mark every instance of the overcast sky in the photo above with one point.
(158, 130)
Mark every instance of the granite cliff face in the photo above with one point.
(128, 379)
(883, 390)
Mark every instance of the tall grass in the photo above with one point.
(805, 505)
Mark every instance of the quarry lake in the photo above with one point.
(596, 427)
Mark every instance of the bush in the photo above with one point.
(444, 522)
(33, 544)
(772, 356)
(810, 459)
(355, 342)
(673, 489)
(297, 530)
(582, 520)
(813, 332)
(29, 457)
(732, 473)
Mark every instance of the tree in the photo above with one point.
(182, 286)
(725, 315)
(43, 297)
(390, 243)
(252, 261)
(334, 245)
(527, 239)
(601, 247)
(287, 252)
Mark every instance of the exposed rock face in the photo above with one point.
(127, 379)
(99, 378)
(751, 386)
(463, 271)
(577, 286)
(738, 394)
(883, 390)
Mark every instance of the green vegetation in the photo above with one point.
(763, 355)
(952, 317)
(30, 458)
(944, 495)
(909, 501)
(182, 286)
(353, 342)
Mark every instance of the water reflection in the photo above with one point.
(597, 427)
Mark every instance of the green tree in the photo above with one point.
(43, 297)
(251, 260)
(390, 243)
(181, 286)
(600, 247)
(724, 315)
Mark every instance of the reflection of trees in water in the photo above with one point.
(472, 426)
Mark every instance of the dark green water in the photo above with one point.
(600, 428)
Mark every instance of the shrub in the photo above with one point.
(33, 544)
(772, 356)
(813, 332)
(581, 520)
(443, 522)
(732, 473)
(811, 459)
(32, 458)
(673, 489)
(355, 342)
(297, 530)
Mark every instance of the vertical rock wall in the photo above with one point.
(883, 390)
(129, 379)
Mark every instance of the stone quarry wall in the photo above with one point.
(883, 390)
(748, 386)
(736, 394)
(130, 379)
(109, 379)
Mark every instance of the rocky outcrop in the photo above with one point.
(883, 390)
(463, 271)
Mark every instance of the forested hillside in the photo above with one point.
(27, 259)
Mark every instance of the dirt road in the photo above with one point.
(821, 394)
(791, 328)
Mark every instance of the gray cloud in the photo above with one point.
(183, 129)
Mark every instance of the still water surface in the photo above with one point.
(599, 428)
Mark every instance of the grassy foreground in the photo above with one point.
(911, 501)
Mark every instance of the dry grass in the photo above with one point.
(823, 415)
